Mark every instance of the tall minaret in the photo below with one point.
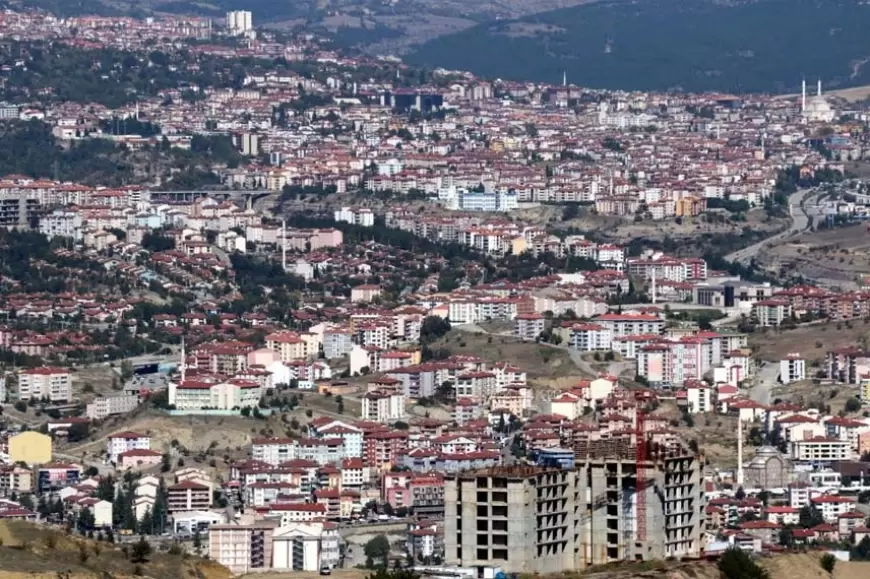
(819, 89)
(804, 95)
(284, 244)
(565, 78)
(739, 452)
(183, 360)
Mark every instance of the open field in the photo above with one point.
(807, 394)
(811, 340)
(625, 229)
(835, 255)
(543, 364)
(715, 434)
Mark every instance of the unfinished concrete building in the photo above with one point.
(674, 501)
(546, 520)
(519, 517)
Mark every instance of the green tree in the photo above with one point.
(141, 550)
(810, 517)
(853, 404)
(26, 501)
(828, 562)
(378, 550)
(862, 551)
(786, 537)
(432, 328)
(737, 564)
(85, 520)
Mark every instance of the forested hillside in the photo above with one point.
(763, 46)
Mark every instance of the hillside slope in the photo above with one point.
(34, 551)
(695, 45)
(802, 566)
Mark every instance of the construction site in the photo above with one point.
(623, 501)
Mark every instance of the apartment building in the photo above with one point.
(384, 406)
(104, 406)
(15, 479)
(792, 368)
(357, 216)
(590, 337)
(306, 546)
(529, 326)
(233, 394)
(847, 365)
(529, 519)
(821, 449)
(631, 324)
(242, 548)
(274, 451)
(770, 313)
(54, 384)
(188, 496)
(123, 441)
(519, 518)
(288, 345)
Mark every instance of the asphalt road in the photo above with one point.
(765, 380)
(800, 213)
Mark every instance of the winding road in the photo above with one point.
(800, 222)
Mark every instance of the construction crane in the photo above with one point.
(641, 455)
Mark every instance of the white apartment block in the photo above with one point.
(356, 216)
(231, 395)
(274, 450)
(383, 406)
(591, 337)
(699, 398)
(769, 313)
(53, 384)
(62, 223)
(239, 22)
(631, 324)
(464, 311)
(792, 368)
(528, 327)
(821, 449)
(104, 406)
(123, 441)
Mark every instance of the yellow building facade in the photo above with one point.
(30, 448)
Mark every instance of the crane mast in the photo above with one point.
(641, 455)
